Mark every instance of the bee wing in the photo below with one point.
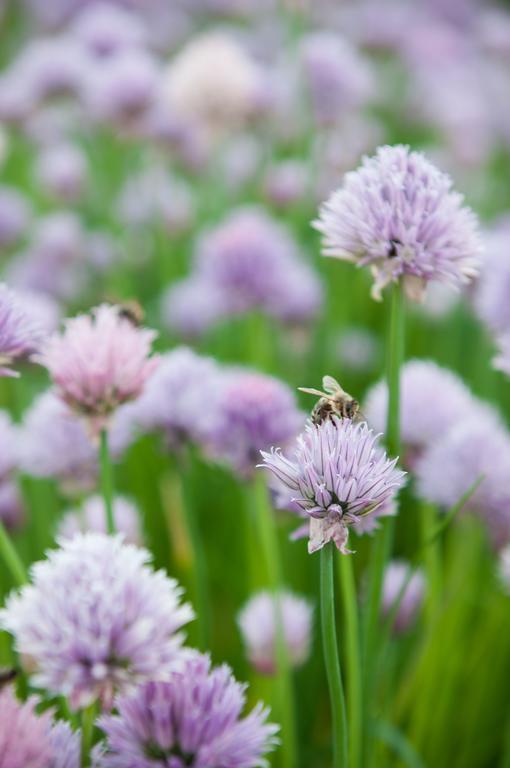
(311, 391)
(331, 385)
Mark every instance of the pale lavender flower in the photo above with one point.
(20, 336)
(99, 362)
(97, 619)
(121, 88)
(24, 735)
(477, 448)
(493, 286)
(173, 400)
(254, 262)
(12, 510)
(194, 719)
(105, 29)
(504, 567)
(154, 197)
(257, 622)
(358, 350)
(192, 306)
(339, 78)
(54, 443)
(90, 516)
(65, 744)
(14, 216)
(338, 473)
(52, 67)
(61, 171)
(432, 400)
(286, 183)
(398, 214)
(252, 412)
(9, 445)
(396, 575)
(502, 360)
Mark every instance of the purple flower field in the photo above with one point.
(254, 384)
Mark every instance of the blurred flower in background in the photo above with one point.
(403, 592)
(90, 516)
(257, 622)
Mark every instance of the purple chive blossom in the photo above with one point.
(193, 720)
(61, 171)
(24, 741)
(192, 306)
(399, 215)
(91, 517)
(339, 78)
(19, 334)
(54, 443)
(257, 624)
(121, 88)
(252, 412)
(338, 474)
(99, 362)
(173, 400)
(65, 744)
(14, 216)
(432, 400)
(105, 29)
(12, 510)
(493, 286)
(477, 448)
(411, 598)
(30, 740)
(97, 619)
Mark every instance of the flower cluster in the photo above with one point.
(19, 335)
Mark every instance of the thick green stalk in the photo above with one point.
(11, 558)
(199, 564)
(432, 557)
(383, 541)
(353, 658)
(88, 717)
(264, 520)
(332, 662)
(107, 481)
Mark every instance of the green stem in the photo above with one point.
(353, 658)
(88, 717)
(432, 557)
(107, 481)
(383, 542)
(332, 662)
(200, 571)
(264, 520)
(11, 558)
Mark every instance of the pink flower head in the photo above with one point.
(100, 361)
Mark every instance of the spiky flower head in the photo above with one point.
(192, 721)
(91, 517)
(404, 587)
(258, 621)
(253, 411)
(399, 215)
(100, 361)
(20, 336)
(30, 740)
(338, 474)
(97, 619)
